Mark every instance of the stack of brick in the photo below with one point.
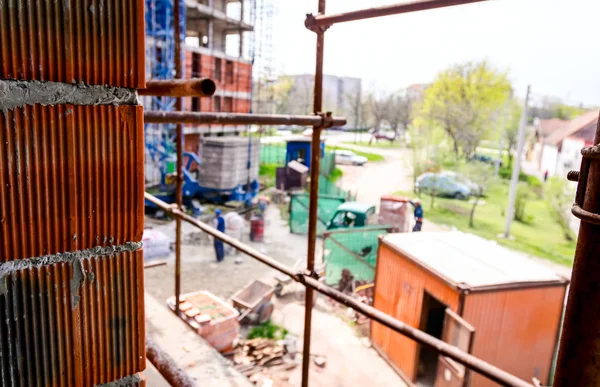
(71, 193)
(225, 162)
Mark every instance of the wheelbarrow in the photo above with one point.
(254, 303)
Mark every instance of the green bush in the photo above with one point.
(536, 185)
(267, 169)
(335, 175)
(268, 330)
(533, 182)
(521, 200)
(506, 173)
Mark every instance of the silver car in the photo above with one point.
(349, 157)
(441, 185)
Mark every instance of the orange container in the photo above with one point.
(472, 293)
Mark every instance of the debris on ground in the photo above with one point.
(320, 361)
(258, 359)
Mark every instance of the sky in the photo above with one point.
(550, 44)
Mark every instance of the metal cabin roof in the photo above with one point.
(468, 260)
(355, 207)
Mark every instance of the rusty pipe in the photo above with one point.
(484, 368)
(316, 22)
(313, 204)
(179, 150)
(580, 339)
(194, 87)
(166, 366)
(165, 117)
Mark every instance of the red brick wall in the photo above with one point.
(71, 197)
(235, 77)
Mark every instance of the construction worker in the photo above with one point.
(416, 203)
(220, 224)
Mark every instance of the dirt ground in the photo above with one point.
(200, 271)
(349, 360)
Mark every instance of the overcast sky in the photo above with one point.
(550, 44)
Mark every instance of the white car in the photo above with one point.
(349, 157)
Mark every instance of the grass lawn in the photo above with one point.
(381, 144)
(541, 237)
(372, 157)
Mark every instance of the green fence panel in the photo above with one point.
(354, 249)
(272, 153)
(299, 205)
(327, 164)
(328, 188)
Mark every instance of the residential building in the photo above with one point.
(216, 46)
(341, 95)
(561, 149)
(416, 91)
(216, 39)
(542, 128)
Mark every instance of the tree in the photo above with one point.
(462, 101)
(559, 199)
(399, 112)
(281, 92)
(357, 108)
(378, 109)
(428, 153)
(481, 174)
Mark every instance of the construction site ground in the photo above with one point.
(349, 359)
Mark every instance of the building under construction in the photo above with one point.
(72, 144)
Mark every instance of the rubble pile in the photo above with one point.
(257, 358)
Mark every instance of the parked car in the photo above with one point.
(486, 159)
(383, 135)
(349, 157)
(441, 185)
(473, 187)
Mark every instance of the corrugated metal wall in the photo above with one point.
(516, 330)
(399, 288)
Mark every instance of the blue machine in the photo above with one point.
(192, 189)
(299, 149)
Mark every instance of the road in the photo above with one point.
(375, 179)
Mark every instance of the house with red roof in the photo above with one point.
(561, 147)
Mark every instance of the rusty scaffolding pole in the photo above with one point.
(179, 150)
(579, 349)
(313, 207)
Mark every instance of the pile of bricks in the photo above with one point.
(225, 161)
(71, 193)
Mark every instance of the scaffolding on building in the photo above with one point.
(261, 54)
(159, 139)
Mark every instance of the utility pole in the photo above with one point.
(514, 180)
(501, 139)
